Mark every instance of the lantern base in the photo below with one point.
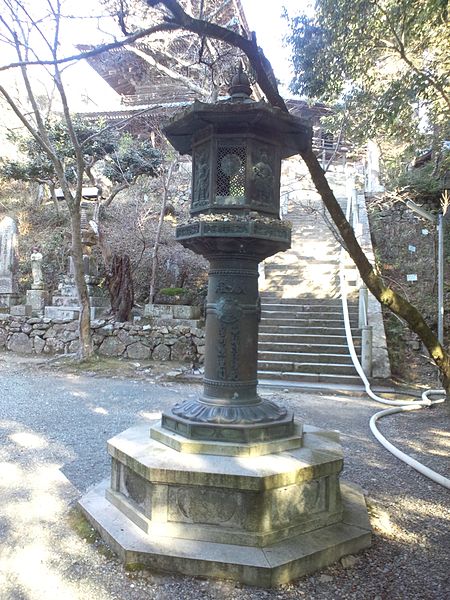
(180, 443)
(260, 520)
(245, 423)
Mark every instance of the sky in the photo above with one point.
(265, 19)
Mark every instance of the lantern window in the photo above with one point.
(230, 170)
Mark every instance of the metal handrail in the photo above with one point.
(352, 215)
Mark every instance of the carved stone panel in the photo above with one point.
(184, 231)
(273, 231)
(226, 228)
(293, 503)
(134, 487)
(211, 506)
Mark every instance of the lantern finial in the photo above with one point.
(240, 86)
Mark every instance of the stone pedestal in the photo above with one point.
(173, 311)
(38, 300)
(261, 519)
(8, 299)
(65, 304)
(21, 310)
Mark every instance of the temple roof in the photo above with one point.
(142, 74)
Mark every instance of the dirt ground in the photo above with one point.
(56, 418)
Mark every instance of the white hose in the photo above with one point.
(401, 406)
(436, 477)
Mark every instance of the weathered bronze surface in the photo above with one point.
(237, 147)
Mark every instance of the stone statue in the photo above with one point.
(36, 269)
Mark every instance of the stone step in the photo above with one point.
(306, 316)
(271, 302)
(278, 294)
(301, 335)
(295, 318)
(303, 311)
(276, 331)
(300, 261)
(296, 276)
(294, 367)
(269, 298)
(318, 330)
(303, 338)
(310, 377)
(290, 304)
(308, 348)
(267, 326)
(306, 357)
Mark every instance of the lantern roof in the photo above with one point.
(243, 116)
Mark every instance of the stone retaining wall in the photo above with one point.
(181, 341)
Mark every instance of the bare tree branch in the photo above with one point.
(254, 53)
(94, 51)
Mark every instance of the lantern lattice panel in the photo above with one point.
(230, 173)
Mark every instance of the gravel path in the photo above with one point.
(53, 432)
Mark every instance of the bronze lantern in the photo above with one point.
(237, 146)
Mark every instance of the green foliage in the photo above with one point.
(194, 296)
(173, 291)
(133, 567)
(34, 167)
(78, 523)
(131, 158)
(121, 158)
(383, 60)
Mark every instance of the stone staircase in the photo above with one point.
(301, 335)
(303, 340)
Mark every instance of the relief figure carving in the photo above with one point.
(201, 180)
(229, 313)
(263, 178)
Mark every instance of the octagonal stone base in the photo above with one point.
(261, 520)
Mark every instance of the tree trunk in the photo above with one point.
(385, 295)
(86, 348)
(121, 287)
(166, 182)
(155, 250)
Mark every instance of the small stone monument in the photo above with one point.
(38, 296)
(8, 263)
